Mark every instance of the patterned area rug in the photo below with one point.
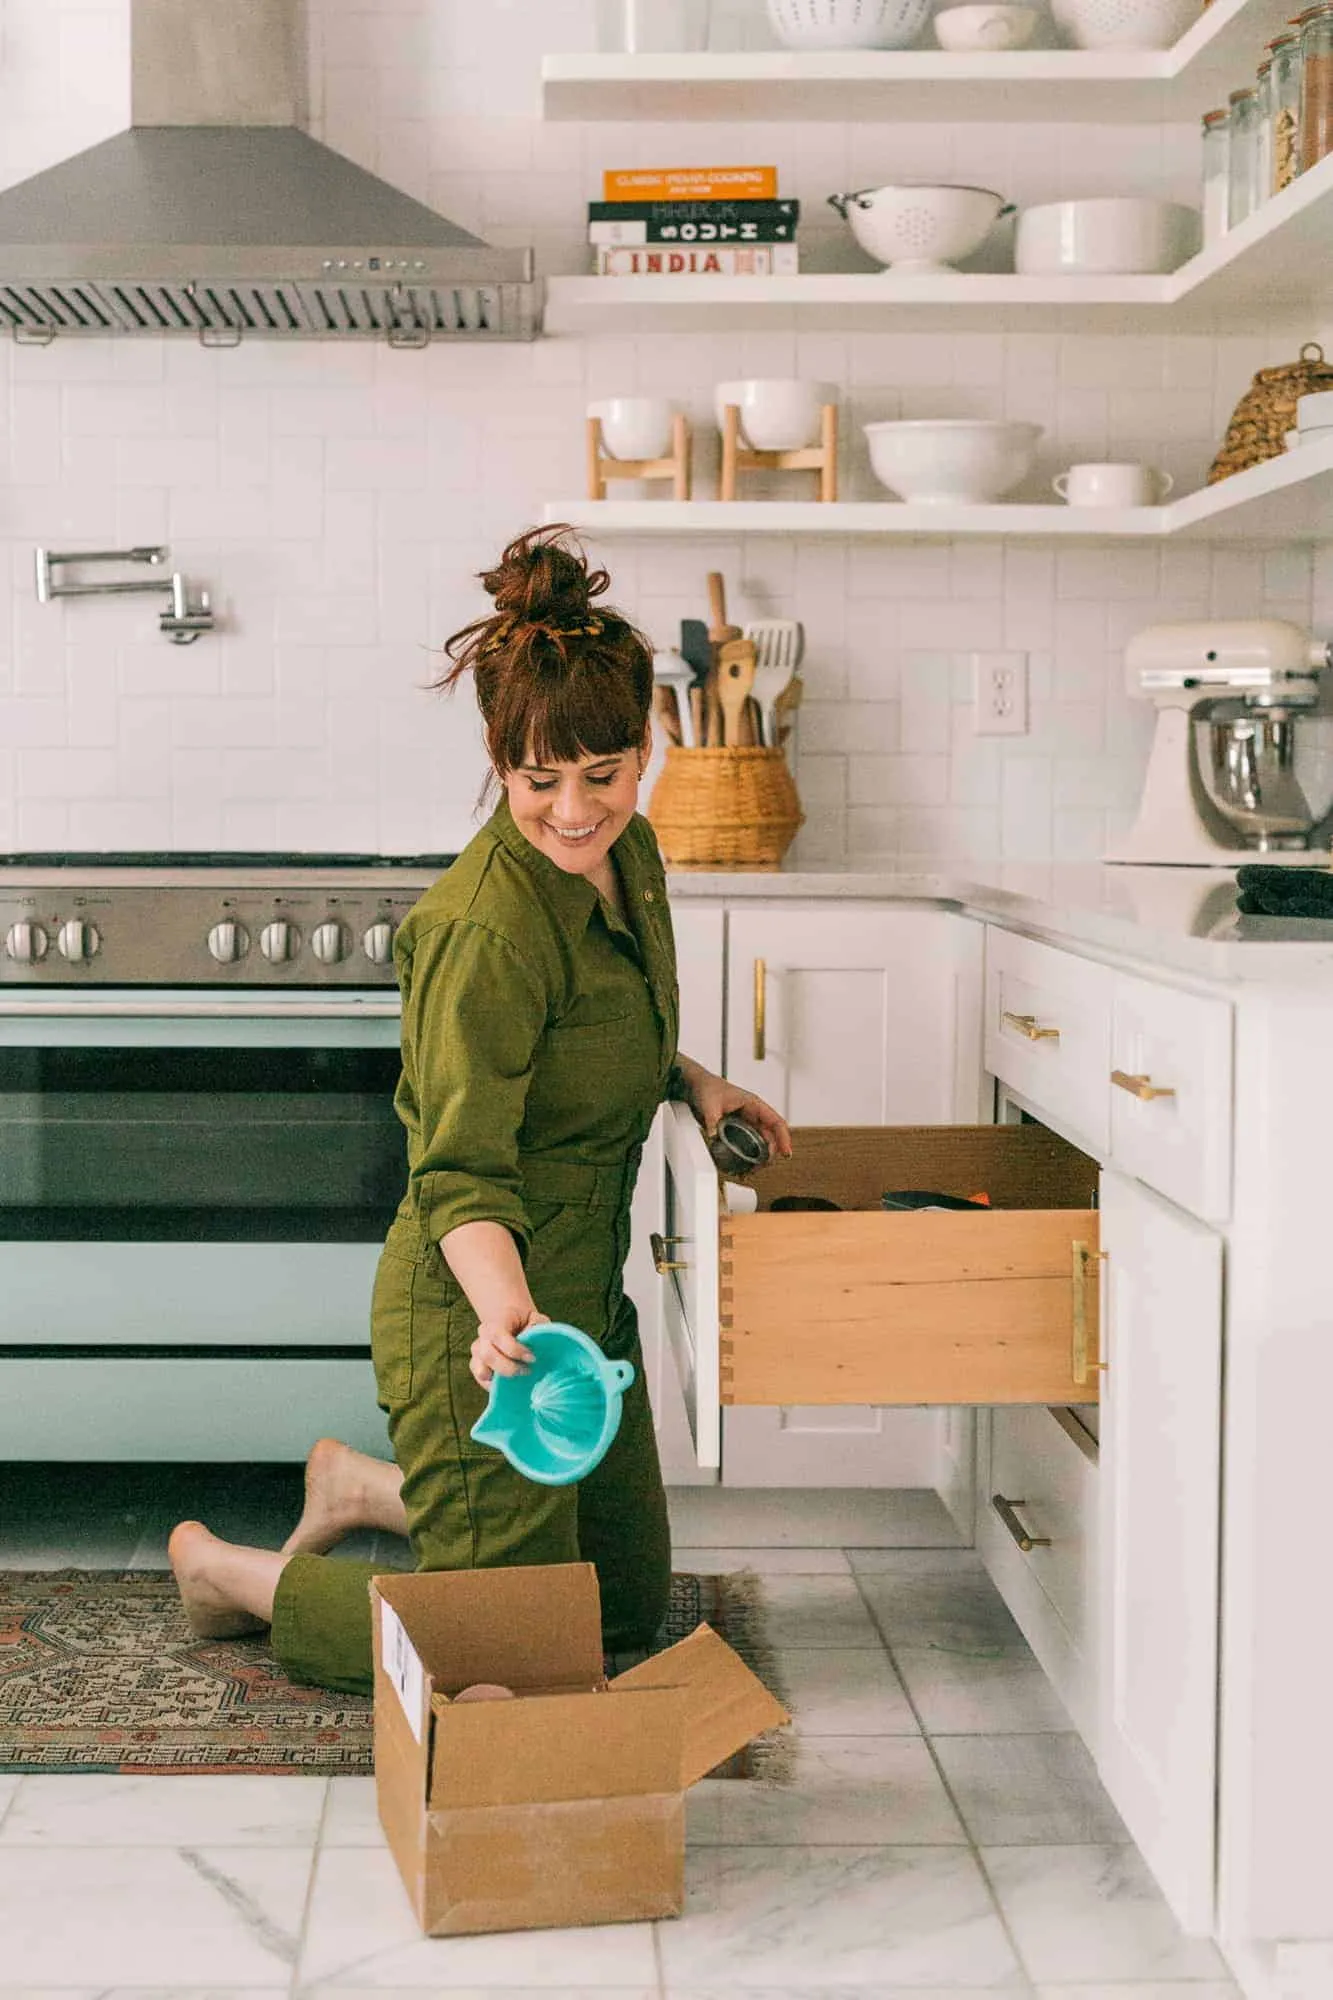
(100, 1672)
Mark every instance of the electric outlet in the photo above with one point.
(1000, 694)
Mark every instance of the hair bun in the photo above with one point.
(542, 580)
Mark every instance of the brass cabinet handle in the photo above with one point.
(1026, 1025)
(661, 1262)
(760, 1007)
(1005, 1509)
(1141, 1087)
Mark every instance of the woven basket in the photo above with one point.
(725, 808)
(1267, 411)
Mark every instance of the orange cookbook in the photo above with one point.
(689, 183)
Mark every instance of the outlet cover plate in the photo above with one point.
(1000, 694)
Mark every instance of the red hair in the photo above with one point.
(556, 680)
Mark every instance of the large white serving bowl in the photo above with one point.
(1110, 234)
(1315, 411)
(635, 426)
(1124, 24)
(920, 227)
(998, 24)
(847, 24)
(963, 459)
(777, 413)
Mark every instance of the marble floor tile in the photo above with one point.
(841, 1993)
(1151, 1989)
(452, 1992)
(966, 1694)
(915, 1562)
(740, 1517)
(764, 1562)
(77, 1810)
(844, 1691)
(823, 1611)
(960, 1611)
(351, 1818)
(126, 1916)
(822, 1917)
(361, 1932)
(8, 1788)
(845, 1791)
(1093, 1913)
(1028, 1790)
(173, 1992)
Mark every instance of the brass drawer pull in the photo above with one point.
(661, 1262)
(1081, 1369)
(1005, 1509)
(760, 1008)
(1026, 1026)
(1141, 1087)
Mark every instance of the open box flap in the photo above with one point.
(541, 1749)
(726, 1706)
(525, 1628)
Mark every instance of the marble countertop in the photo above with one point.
(1177, 919)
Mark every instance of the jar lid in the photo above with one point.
(1216, 117)
(1287, 41)
(1239, 96)
(1311, 14)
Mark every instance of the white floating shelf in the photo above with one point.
(1273, 272)
(1071, 85)
(1287, 499)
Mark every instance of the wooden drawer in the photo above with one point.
(1043, 1490)
(1171, 1083)
(1048, 1032)
(869, 1307)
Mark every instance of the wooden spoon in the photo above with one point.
(735, 678)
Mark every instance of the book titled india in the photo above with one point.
(639, 222)
(739, 260)
(690, 183)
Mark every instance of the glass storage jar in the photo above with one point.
(652, 27)
(1216, 147)
(1263, 144)
(1281, 104)
(1243, 156)
(1316, 28)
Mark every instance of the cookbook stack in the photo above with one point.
(725, 222)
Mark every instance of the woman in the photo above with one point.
(539, 1036)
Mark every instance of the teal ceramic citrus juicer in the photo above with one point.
(556, 1420)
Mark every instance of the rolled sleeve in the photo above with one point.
(473, 1013)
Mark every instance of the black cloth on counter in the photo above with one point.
(1284, 892)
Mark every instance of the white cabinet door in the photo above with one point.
(1160, 1430)
(699, 944)
(850, 1014)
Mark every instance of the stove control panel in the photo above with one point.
(223, 931)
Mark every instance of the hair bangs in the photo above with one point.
(571, 705)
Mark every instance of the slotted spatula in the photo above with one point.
(779, 645)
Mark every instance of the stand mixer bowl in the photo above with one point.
(1246, 757)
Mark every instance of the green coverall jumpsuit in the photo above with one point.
(539, 1037)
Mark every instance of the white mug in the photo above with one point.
(635, 426)
(1113, 486)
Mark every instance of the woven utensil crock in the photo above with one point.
(1267, 411)
(725, 808)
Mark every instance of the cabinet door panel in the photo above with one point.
(1160, 1428)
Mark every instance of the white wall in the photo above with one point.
(339, 499)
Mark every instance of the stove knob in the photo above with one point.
(26, 942)
(279, 941)
(378, 943)
(329, 943)
(228, 942)
(78, 941)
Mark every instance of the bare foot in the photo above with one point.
(334, 1499)
(210, 1612)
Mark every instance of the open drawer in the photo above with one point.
(866, 1306)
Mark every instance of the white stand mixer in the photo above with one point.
(1221, 787)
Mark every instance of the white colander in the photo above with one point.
(1124, 24)
(847, 24)
(920, 228)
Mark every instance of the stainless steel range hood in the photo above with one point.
(216, 215)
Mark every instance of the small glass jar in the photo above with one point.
(1280, 99)
(1243, 156)
(1263, 144)
(652, 27)
(1216, 195)
(1316, 28)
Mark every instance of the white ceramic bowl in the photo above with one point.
(957, 460)
(1001, 25)
(777, 414)
(1114, 233)
(635, 426)
(847, 24)
(1124, 24)
(920, 228)
(1315, 411)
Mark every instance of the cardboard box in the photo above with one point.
(565, 1805)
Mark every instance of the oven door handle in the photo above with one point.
(194, 1010)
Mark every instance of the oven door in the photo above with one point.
(193, 1194)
